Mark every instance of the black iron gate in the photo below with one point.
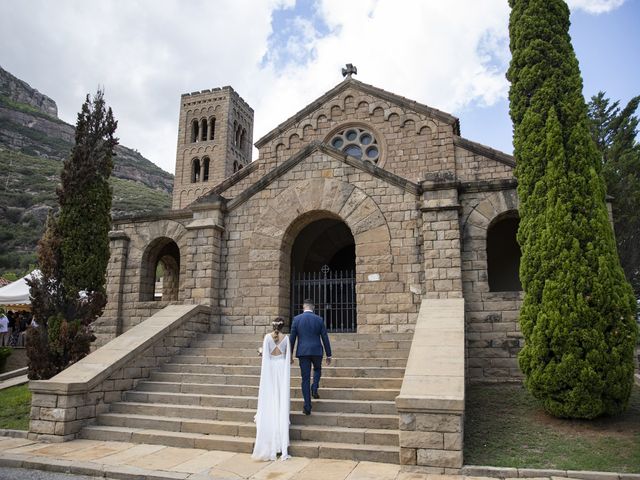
(334, 294)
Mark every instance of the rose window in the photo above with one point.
(357, 142)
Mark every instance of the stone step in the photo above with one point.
(359, 394)
(256, 361)
(337, 352)
(231, 401)
(244, 343)
(347, 420)
(332, 371)
(298, 448)
(320, 433)
(254, 380)
(333, 337)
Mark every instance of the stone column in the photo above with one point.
(111, 324)
(204, 244)
(441, 236)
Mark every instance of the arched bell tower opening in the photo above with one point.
(323, 263)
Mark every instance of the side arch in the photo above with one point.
(147, 248)
(476, 225)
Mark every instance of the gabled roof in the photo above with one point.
(315, 146)
(363, 87)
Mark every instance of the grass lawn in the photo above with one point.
(15, 405)
(505, 427)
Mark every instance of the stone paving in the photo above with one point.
(128, 461)
(119, 460)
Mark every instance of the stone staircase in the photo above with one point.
(206, 398)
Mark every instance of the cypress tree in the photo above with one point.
(85, 209)
(578, 311)
(69, 294)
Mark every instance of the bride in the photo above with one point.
(272, 417)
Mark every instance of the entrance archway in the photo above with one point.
(323, 262)
(160, 275)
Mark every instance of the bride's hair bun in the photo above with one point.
(277, 324)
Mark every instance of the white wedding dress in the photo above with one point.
(272, 417)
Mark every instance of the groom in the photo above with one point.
(309, 329)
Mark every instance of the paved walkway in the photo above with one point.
(130, 461)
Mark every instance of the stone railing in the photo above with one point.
(62, 405)
(431, 400)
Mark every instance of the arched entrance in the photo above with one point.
(503, 254)
(323, 262)
(160, 275)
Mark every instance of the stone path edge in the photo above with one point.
(508, 472)
(91, 469)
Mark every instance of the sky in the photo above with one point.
(280, 55)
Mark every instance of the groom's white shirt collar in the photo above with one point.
(307, 311)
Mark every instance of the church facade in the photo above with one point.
(364, 200)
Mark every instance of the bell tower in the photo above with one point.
(215, 138)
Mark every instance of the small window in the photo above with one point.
(205, 169)
(204, 130)
(195, 131)
(195, 170)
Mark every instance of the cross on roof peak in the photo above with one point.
(349, 70)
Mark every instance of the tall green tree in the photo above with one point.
(578, 311)
(73, 252)
(615, 131)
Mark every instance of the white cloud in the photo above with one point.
(449, 55)
(595, 6)
(433, 52)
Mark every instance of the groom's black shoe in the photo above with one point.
(315, 395)
(305, 411)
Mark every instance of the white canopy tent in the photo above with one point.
(16, 294)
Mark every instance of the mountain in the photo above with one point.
(33, 143)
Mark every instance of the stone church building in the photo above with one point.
(403, 233)
(380, 190)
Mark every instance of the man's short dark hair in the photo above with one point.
(308, 302)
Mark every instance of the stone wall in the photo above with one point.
(61, 406)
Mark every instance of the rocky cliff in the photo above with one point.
(33, 143)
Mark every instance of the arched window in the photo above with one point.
(503, 255)
(204, 130)
(195, 170)
(205, 169)
(195, 131)
(235, 166)
(212, 128)
(235, 133)
(243, 135)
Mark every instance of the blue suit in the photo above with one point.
(309, 331)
